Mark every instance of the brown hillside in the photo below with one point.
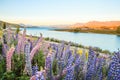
(98, 25)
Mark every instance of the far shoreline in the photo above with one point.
(108, 32)
(89, 31)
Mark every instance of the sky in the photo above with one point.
(58, 12)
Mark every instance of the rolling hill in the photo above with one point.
(112, 25)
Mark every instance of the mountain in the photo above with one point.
(98, 25)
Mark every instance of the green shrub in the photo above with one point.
(18, 64)
(24, 77)
(8, 76)
(2, 67)
(39, 59)
(47, 39)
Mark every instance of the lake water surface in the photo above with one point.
(103, 41)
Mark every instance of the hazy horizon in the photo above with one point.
(62, 12)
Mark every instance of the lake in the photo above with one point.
(103, 41)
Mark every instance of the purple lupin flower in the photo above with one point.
(40, 75)
(75, 53)
(77, 63)
(9, 35)
(48, 66)
(114, 68)
(55, 48)
(90, 57)
(90, 75)
(13, 37)
(91, 66)
(83, 59)
(99, 73)
(66, 54)
(77, 66)
(80, 67)
(66, 51)
(16, 36)
(4, 37)
(27, 59)
(70, 73)
(61, 66)
(31, 46)
(70, 60)
(34, 69)
(60, 50)
(4, 49)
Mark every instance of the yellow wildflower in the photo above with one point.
(80, 52)
(86, 55)
(41, 68)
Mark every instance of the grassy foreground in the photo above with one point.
(43, 60)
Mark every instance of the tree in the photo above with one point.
(118, 29)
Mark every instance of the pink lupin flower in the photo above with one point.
(21, 41)
(23, 45)
(36, 48)
(33, 78)
(8, 58)
(18, 46)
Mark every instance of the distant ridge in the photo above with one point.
(91, 25)
(97, 25)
